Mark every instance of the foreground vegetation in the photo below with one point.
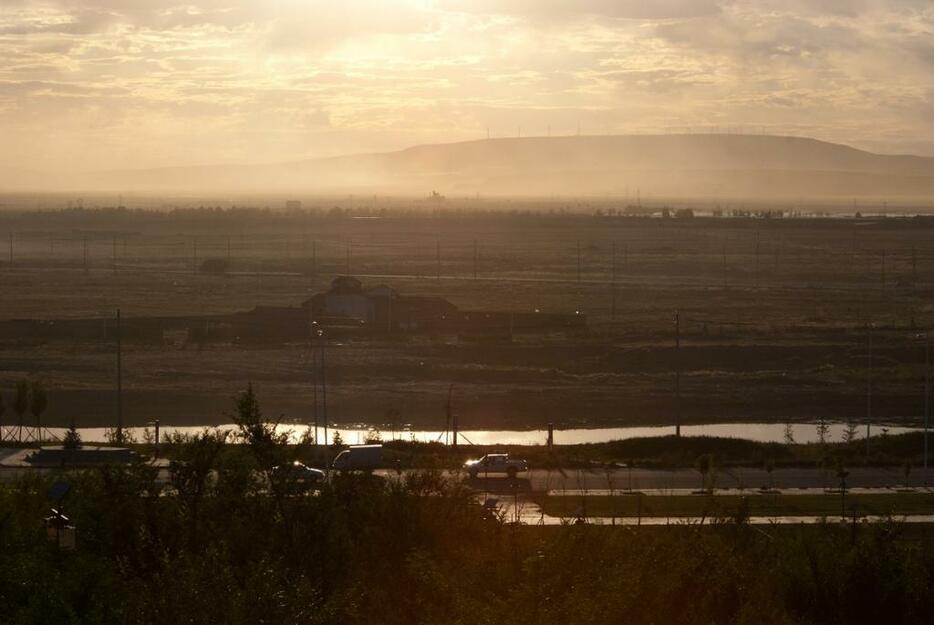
(237, 543)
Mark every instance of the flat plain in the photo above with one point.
(774, 313)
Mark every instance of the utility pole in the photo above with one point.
(927, 399)
(451, 417)
(869, 388)
(678, 373)
(314, 381)
(389, 313)
(724, 265)
(324, 391)
(883, 269)
(757, 260)
(119, 381)
(613, 284)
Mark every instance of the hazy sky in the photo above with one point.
(136, 83)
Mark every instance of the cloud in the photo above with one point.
(561, 9)
(153, 82)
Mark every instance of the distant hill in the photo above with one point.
(659, 165)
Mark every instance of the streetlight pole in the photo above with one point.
(324, 391)
(314, 380)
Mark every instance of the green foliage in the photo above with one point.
(72, 438)
(119, 437)
(225, 542)
(849, 433)
(416, 550)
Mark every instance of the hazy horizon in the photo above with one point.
(103, 85)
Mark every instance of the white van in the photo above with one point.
(359, 458)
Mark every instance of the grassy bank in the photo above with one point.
(658, 452)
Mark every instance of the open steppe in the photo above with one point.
(773, 312)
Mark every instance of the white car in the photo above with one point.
(496, 463)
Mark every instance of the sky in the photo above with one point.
(112, 84)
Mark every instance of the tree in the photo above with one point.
(789, 434)
(264, 441)
(338, 440)
(21, 402)
(849, 433)
(72, 439)
(822, 430)
(39, 402)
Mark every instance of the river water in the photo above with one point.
(761, 432)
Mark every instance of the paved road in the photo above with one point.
(539, 480)
(645, 479)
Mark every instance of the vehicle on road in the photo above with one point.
(359, 458)
(496, 463)
(298, 476)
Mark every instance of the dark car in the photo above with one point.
(298, 476)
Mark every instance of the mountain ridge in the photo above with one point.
(674, 165)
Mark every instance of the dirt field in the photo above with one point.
(773, 314)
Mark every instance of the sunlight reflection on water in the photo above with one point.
(761, 432)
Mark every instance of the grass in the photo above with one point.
(730, 505)
(789, 326)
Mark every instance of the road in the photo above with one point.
(539, 480)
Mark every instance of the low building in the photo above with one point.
(383, 309)
(344, 300)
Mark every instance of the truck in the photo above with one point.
(359, 458)
(496, 463)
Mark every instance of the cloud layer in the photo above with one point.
(140, 83)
